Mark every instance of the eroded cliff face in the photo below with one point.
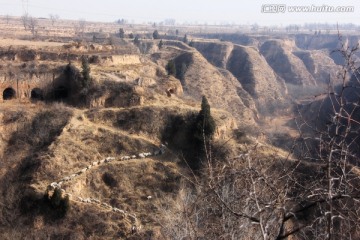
(237, 78)
(324, 41)
(251, 70)
(241, 79)
(320, 65)
(279, 55)
(301, 67)
(301, 60)
(257, 78)
(27, 81)
(217, 53)
(202, 78)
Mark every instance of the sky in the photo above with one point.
(200, 11)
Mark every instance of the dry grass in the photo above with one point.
(82, 141)
(31, 157)
(32, 44)
(87, 136)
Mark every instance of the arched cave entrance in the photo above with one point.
(37, 94)
(61, 93)
(9, 93)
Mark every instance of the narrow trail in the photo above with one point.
(79, 120)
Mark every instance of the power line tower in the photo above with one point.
(25, 6)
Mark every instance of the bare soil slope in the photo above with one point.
(252, 71)
(279, 56)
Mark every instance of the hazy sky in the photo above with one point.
(237, 11)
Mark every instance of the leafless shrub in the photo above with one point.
(334, 146)
(79, 27)
(25, 20)
(30, 23)
(181, 222)
(54, 18)
(33, 26)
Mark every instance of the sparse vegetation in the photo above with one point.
(33, 26)
(261, 163)
(56, 198)
(205, 124)
(171, 68)
(161, 44)
(30, 23)
(182, 72)
(185, 39)
(54, 18)
(80, 27)
(203, 132)
(41, 131)
(59, 204)
(156, 34)
(136, 40)
(121, 33)
(86, 79)
(25, 20)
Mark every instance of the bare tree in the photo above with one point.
(25, 20)
(337, 151)
(54, 18)
(80, 27)
(170, 21)
(33, 25)
(30, 23)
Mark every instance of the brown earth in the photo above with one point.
(41, 142)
